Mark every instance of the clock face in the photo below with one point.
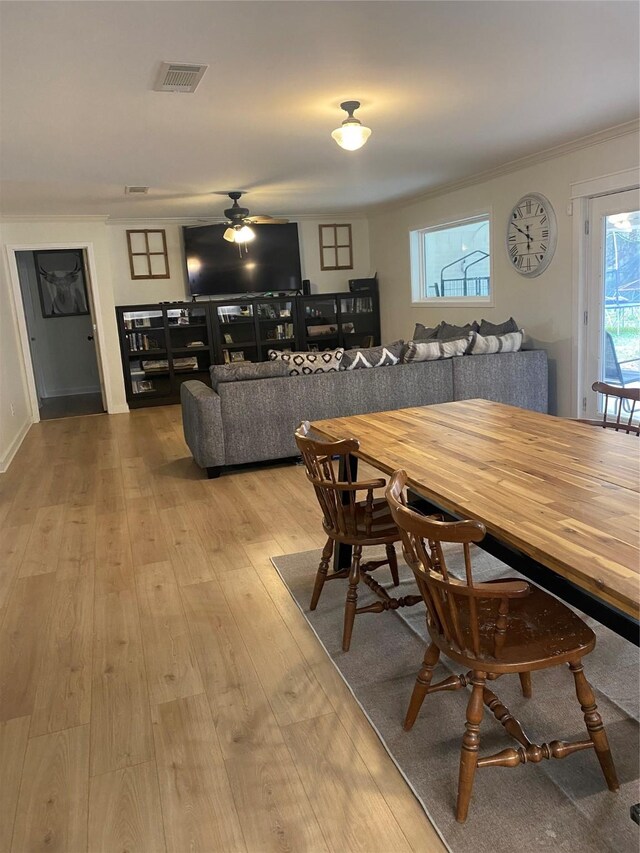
(531, 235)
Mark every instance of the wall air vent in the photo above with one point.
(136, 190)
(179, 77)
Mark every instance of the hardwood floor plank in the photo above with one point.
(293, 691)
(274, 810)
(120, 722)
(172, 669)
(63, 697)
(41, 555)
(241, 711)
(77, 544)
(188, 557)
(114, 562)
(23, 643)
(13, 745)
(53, 803)
(339, 785)
(13, 544)
(197, 804)
(145, 531)
(125, 812)
(109, 490)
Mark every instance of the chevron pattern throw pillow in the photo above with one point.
(383, 356)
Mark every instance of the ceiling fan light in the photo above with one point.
(351, 135)
(230, 235)
(244, 234)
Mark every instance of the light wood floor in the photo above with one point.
(158, 687)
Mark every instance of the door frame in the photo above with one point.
(97, 319)
(581, 194)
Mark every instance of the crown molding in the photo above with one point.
(513, 166)
(220, 220)
(39, 217)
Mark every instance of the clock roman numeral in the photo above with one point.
(513, 251)
(543, 247)
(543, 219)
(512, 237)
(544, 233)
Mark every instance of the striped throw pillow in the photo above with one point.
(489, 344)
(433, 350)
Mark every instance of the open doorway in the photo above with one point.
(61, 331)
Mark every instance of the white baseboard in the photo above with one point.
(120, 409)
(7, 458)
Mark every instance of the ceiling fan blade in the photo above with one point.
(267, 220)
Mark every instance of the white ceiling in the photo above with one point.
(449, 89)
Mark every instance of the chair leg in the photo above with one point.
(595, 727)
(321, 574)
(393, 563)
(470, 746)
(525, 684)
(352, 598)
(431, 657)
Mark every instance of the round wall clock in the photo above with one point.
(531, 235)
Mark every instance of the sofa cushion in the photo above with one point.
(481, 345)
(305, 363)
(383, 356)
(447, 332)
(424, 333)
(486, 328)
(246, 370)
(433, 350)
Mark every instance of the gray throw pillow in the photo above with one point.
(383, 356)
(305, 363)
(424, 333)
(246, 370)
(447, 332)
(487, 328)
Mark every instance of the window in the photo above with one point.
(451, 262)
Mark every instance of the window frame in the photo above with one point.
(417, 261)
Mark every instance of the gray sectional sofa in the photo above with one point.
(254, 420)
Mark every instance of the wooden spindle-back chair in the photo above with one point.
(626, 401)
(352, 521)
(493, 628)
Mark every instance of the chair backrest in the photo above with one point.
(343, 517)
(456, 608)
(626, 400)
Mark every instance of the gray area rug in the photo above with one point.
(555, 805)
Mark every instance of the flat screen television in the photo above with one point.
(216, 268)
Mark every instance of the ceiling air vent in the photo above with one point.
(179, 77)
(136, 190)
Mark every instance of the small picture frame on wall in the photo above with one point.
(148, 256)
(62, 286)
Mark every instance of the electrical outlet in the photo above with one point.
(13, 411)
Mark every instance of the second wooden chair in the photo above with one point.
(493, 628)
(349, 521)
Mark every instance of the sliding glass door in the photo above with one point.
(613, 314)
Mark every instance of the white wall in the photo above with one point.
(128, 292)
(66, 359)
(542, 305)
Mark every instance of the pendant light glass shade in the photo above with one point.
(244, 234)
(352, 134)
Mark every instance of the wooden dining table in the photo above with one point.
(560, 499)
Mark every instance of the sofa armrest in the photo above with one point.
(202, 423)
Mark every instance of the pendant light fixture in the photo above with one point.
(352, 134)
